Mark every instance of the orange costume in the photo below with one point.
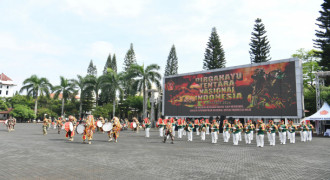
(89, 128)
(116, 127)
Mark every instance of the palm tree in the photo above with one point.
(145, 78)
(66, 88)
(113, 82)
(94, 83)
(36, 86)
(80, 82)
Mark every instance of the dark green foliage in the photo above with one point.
(3, 105)
(259, 50)
(22, 112)
(172, 63)
(214, 56)
(113, 65)
(129, 58)
(91, 70)
(107, 65)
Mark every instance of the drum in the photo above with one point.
(80, 129)
(68, 126)
(6, 122)
(107, 127)
(99, 124)
(134, 124)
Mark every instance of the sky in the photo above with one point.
(53, 38)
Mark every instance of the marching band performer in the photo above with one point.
(161, 127)
(207, 122)
(59, 125)
(282, 132)
(190, 128)
(147, 126)
(168, 131)
(14, 123)
(44, 126)
(260, 128)
(247, 135)
(272, 129)
(292, 132)
(239, 130)
(203, 129)
(184, 124)
(235, 132)
(303, 129)
(197, 126)
(116, 127)
(214, 131)
(252, 131)
(226, 128)
(89, 127)
(173, 126)
(309, 131)
(70, 133)
(180, 128)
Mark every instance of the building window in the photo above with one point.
(6, 92)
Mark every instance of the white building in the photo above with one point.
(6, 86)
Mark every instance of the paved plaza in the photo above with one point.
(27, 154)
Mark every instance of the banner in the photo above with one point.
(264, 90)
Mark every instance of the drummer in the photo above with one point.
(70, 133)
(115, 130)
(59, 125)
(147, 126)
(136, 124)
(88, 132)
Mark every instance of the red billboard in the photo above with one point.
(266, 90)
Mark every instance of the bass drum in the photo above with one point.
(107, 127)
(99, 124)
(80, 129)
(6, 122)
(134, 124)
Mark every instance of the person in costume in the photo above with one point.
(147, 125)
(207, 123)
(103, 122)
(136, 121)
(116, 127)
(180, 128)
(190, 128)
(214, 131)
(161, 127)
(260, 128)
(226, 130)
(89, 128)
(240, 125)
(272, 128)
(70, 134)
(247, 134)
(173, 126)
(44, 126)
(303, 129)
(252, 131)
(292, 132)
(184, 124)
(235, 131)
(309, 131)
(282, 132)
(168, 131)
(59, 125)
(197, 126)
(203, 129)
(14, 123)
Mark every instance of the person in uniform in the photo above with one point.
(309, 131)
(190, 128)
(235, 131)
(161, 127)
(247, 135)
(282, 132)
(226, 130)
(197, 126)
(207, 123)
(303, 129)
(252, 131)
(59, 125)
(240, 125)
(292, 132)
(147, 126)
(184, 124)
(260, 128)
(272, 129)
(180, 128)
(168, 132)
(202, 129)
(214, 131)
(89, 128)
(116, 127)
(44, 126)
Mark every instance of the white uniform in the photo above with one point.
(161, 131)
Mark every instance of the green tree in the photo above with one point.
(310, 65)
(145, 76)
(66, 89)
(22, 112)
(36, 86)
(113, 65)
(3, 105)
(94, 85)
(81, 84)
(214, 56)
(91, 70)
(103, 111)
(107, 65)
(172, 63)
(129, 58)
(43, 111)
(259, 50)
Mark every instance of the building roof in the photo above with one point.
(52, 95)
(3, 77)
(6, 112)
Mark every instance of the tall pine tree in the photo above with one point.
(323, 35)
(214, 56)
(91, 70)
(107, 65)
(113, 64)
(129, 58)
(259, 50)
(172, 63)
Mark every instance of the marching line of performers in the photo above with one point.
(10, 124)
(204, 127)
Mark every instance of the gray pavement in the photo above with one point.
(27, 154)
